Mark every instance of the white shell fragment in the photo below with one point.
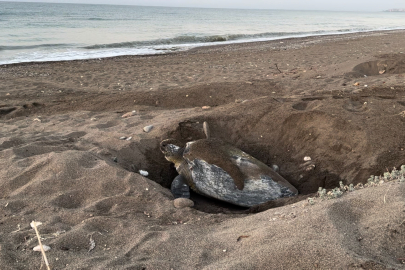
(148, 128)
(143, 173)
(129, 114)
(307, 158)
(38, 248)
(35, 224)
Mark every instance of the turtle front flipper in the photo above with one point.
(179, 188)
(233, 171)
(214, 152)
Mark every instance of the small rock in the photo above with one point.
(143, 173)
(38, 248)
(205, 107)
(115, 159)
(38, 120)
(356, 84)
(275, 168)
(307, 158)
(148, 128)
(183, 202)
(129, 138)
(123, 138)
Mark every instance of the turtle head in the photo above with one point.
(172, 152)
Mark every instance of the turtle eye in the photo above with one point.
(163, 147)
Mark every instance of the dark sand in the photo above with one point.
(338, 99)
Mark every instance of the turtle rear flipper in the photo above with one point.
(179, 188)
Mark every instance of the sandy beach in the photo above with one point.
(70, 160)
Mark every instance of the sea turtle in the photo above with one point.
(219, 170)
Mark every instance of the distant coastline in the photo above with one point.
(396, 10)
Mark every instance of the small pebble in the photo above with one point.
(183, 202)
(148, 128)
(123, 138)
(143, 173)
(115, 159)
(205, 107)
(307, 158)
(38, 248)
(129, 138)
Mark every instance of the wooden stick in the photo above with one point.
(34, 225)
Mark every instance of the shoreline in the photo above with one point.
(292, 41)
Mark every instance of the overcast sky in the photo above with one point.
(344, 5)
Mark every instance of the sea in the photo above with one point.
(32, 32)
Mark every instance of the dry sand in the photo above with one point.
(338, 99)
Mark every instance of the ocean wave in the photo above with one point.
(5, 13)
(98, 19)
(198, 39)
(106, 19)
(170, 41)
(28, 47)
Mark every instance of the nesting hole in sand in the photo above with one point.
(306, 180)
(380, 67)
(306, 133)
